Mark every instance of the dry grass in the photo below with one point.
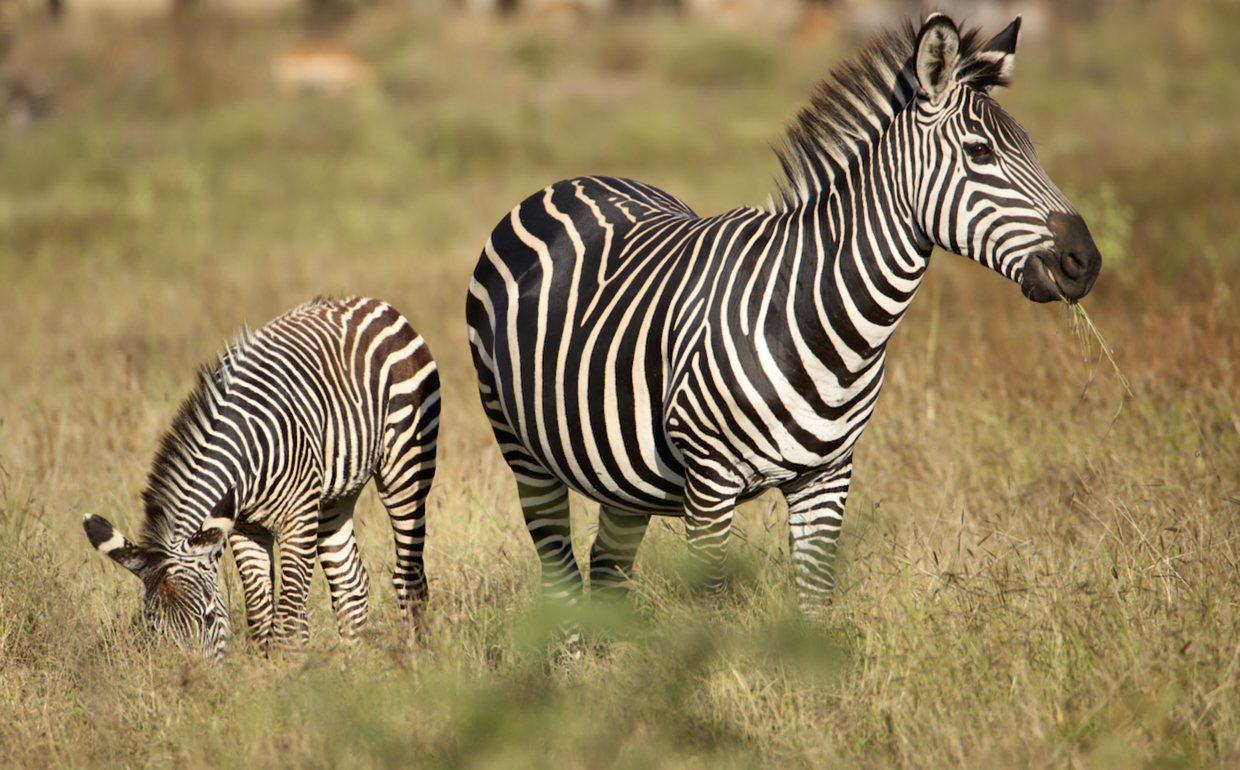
(1028, 578)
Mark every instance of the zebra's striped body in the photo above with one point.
(662, 363)
(272, 449)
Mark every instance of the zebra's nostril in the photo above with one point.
(1073, 266)
(1077, 255)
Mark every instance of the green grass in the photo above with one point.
(1027, 577)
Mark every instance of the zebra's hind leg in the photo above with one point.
(403, 485)
(815, 515)
(615, 548)
(347, 581)
(252, 551)
(544, 503)
(544, 498)
(404, 479)
(710, 503)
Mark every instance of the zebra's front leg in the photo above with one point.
(297, 543)
(710, 503)
(615, 548)
(347, 581)
(252, 553)
(815, 515)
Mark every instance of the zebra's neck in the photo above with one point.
(868, 254)
(200, 458)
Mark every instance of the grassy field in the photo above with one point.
(1037, 569)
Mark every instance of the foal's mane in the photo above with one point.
(177, 459)
(851, 108)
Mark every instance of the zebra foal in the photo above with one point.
(664, 363)
(270, 451)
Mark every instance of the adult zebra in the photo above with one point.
(662, 363)
(272, 449)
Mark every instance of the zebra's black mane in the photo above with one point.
(166, 485)
(850, 109)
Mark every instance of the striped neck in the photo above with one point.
(872, 258)
(194, 466)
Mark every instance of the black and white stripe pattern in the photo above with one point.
(272, 449)
(662, 363)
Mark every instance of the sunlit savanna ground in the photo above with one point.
(1036, 570)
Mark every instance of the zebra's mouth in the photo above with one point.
(1069, 268)
(1038, 282)
(1060, 274)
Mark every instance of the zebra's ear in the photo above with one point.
(209, 539)
(1005, 41)
(938, 48)
(109, 541)
(1000, 54)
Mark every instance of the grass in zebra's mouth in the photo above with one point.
(1087, 334)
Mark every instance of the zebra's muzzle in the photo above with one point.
(1067, 271)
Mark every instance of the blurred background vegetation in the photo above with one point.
(1037, 568)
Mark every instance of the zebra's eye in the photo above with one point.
(980, 152)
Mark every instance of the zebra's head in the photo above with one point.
(182, 583)
(981, 191)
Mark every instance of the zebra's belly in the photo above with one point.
(656, 489)
(601, 411)
(634, 465)
(602, 418)
(628, 464)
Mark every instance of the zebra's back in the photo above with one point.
(351, 377)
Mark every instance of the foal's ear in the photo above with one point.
(209, 539)
(109, 541)
(938, 48)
